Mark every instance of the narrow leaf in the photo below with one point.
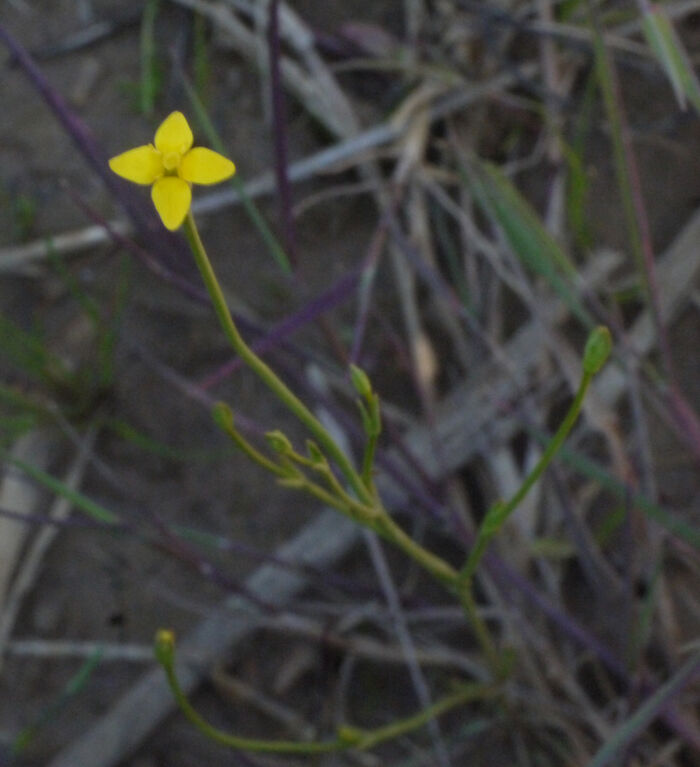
(669, 50)
(529, 239)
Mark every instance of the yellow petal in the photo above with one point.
(173, 135)
(203, 166)
(141, 165)
(172, 197)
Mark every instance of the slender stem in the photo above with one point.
(348, 737)
(470, 692)
(264, 372)
(481, 631)
(385, 526)
(224, 419)
(237, 741)
(553, 447)
(499, 513)
(368, 462)
(371, 511)
(496, 517)
(361, 512)
(340, 501)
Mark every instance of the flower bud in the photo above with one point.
(597, 351)
(360, 380)
(279, 442)
(314, 453)
(164, 647)
(223, 416)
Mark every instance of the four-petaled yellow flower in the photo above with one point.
(171, 166)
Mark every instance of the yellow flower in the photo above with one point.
(172, 166)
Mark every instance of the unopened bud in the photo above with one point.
(597, 351)
(360, 380)
(223, 416)
(164, 647)
(279, 442)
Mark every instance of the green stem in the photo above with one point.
(385, 526)
(348, 737)
(368, 462)
(499, 513)
(239, 742)
(262, 370)
(481, 631)
(373, 513)
(224, 418)
(394, 730)
(553, 447)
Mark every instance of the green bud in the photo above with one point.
(279, 442)
(223, 416)
(597, 351)
(315, 453)
(360, 380)
(164, 647)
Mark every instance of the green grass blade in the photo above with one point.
(150, 77)
(272, 243)
(27, 352)
(80, 501)
(201, 57)
(592, 470)
(669, 50)
(539, 252)
(73, 687)
(143, 442)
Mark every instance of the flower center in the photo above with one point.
(171, 160)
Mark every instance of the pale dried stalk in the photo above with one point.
(31, 563)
